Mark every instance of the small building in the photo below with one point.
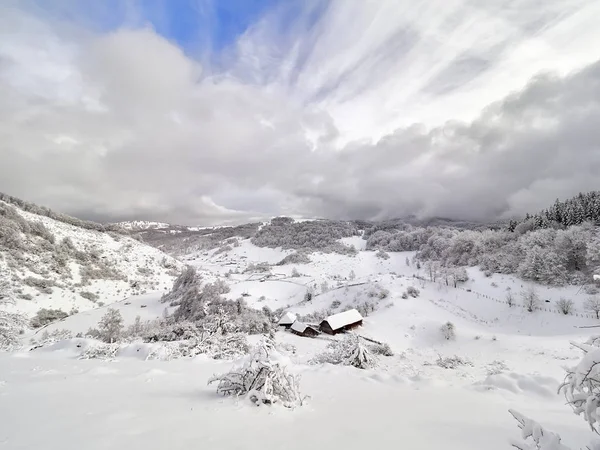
(287, 320)
(304, 329)
(341, 322)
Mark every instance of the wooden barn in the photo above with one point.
(287, 320)
(304, 329)
(338, 323)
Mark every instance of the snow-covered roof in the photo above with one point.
(596, 277)
(342, 319)
(300, 327)
(287, 319)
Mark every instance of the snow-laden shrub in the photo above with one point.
(412, 291)
(541, 438)
(48, 338)
(295, 258)
(90, 296)
(111, 326)
(565, 306)
(101, 351)
(349, 351)
(42, 285)
(531, 300)
(226, 347)
(452, 362)
(295, 273)
(223, 249)
(382, 255)
(262, 378)
(360, 356)
(11, 324)
(45, 316)
(592, 304)
(261, 267)
(448, 331)
(581, 389)
(382, 349)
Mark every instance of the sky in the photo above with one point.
(206, 112)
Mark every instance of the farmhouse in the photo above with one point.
(303, 329)
(341, 322)
(287, 320)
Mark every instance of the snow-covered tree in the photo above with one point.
(592, 305)
(111, 325)
(359, 355)
(448, 331)
(541, 438)
(531, 300)
(510, 299)
(11, 324)
(581, 389)
(262, 378)
(351, 275)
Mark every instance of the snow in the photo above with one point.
(299, 327)
(130, 257)
(287, 319)
(516, 357)
(55, 403)
(342, 319)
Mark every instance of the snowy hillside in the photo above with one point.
(55, 265)
(450, 350)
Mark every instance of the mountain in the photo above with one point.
(55, 261)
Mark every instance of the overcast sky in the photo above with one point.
(206, 112)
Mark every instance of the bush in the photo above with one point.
(348, 351)
(381, 349)
(448, 331)
(510, 299)
(295, 273)
(89, 296)
(382, 255)
(531, 300)
(262, 379)
(45, 316)
(262, 267)
(44, 286)
(111, 326)
(295, 258)
(412, 291)
(565, 306)
(452, 362)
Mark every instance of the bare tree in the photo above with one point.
(448, 331)
(510, 299)
(531, 300)
(565, 306)
(592, 305)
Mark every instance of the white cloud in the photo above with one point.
(126, 125)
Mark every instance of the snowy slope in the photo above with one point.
(513, 359)
(96, 267)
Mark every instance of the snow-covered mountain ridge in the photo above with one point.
(53, 264)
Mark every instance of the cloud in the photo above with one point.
(411, 114)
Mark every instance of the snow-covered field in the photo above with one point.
(49, 399)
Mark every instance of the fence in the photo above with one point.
(515, 305)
